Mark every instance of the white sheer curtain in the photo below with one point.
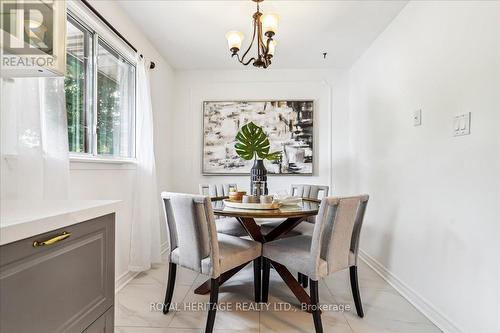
(34, 136)
(145, 234)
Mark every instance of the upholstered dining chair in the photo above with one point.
(225, 225)
(333, 247)
(196, 245)
(307, 192)
(216, 190)
(304, 191)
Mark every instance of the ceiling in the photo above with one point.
(190, 34)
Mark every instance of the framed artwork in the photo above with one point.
(288, 123)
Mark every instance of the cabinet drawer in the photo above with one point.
(60, 287)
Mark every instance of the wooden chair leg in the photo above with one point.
(172, 270)
(315, 306)
(212, 305)
(266, 270)
(257, 275)
(353, 270)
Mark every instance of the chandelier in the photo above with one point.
(263, 25)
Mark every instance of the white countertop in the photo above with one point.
(20, 219)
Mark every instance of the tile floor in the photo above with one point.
(385, 310)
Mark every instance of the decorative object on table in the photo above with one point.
(258, 181)
(236, 195)
(249, 199)
(251, 205)
(289, 125)
(289, 201)
(253, 143)
(265, 199)
(263, 25)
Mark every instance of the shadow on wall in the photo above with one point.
(384, 250)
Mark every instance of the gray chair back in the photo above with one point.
(309, 192)
(216, 190)
(191, 228)
(337, 231)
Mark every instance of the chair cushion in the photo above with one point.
(230, 226)
(295, 254)
(233, 251)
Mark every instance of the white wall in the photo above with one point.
(433, 217)
(328, 89)
(108, 181)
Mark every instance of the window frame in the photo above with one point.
(111, 41)
(89, 85)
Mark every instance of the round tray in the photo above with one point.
(256, 206)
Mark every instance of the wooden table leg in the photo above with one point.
(293, 284)
(283, 228)
(252, 228)
(254, 231)
(204, 288)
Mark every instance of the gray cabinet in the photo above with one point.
(104, 324)
(66, 285)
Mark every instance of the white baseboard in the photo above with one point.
(418, 301)
(128, 276)
(124, 279)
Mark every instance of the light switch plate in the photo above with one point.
(461, 124)
(417, 117)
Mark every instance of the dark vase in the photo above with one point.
(258, 174)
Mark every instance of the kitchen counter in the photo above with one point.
(20, 219)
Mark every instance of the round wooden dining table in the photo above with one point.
(291, 217)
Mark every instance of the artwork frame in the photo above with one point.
(311, 157)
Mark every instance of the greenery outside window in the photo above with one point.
(100, 96)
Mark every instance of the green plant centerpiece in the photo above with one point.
(252, 143)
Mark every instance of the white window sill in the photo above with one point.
(106, 160)
(101, 163)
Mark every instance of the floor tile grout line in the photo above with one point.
(182, 301)
(343, 314)
(328, 285)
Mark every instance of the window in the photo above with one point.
(77, 86)
(100, 95)
(115, 103)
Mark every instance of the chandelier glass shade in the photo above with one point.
(264, 29)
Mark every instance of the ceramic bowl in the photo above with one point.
(236, 196)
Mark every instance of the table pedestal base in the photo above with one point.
(254, 231)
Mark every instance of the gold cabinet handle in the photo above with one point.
(53, 240)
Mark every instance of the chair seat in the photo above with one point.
(230, 226)
(295, 254)
(233, 251)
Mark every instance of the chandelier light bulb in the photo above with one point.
(272, 48)
(234, 39)
(269, 23)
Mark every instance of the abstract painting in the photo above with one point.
(289, 125)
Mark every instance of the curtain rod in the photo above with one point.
(109, 25)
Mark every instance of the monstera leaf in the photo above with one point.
(251, 141)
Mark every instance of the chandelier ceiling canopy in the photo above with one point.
(264, 29)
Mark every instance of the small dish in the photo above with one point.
(236, 196)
